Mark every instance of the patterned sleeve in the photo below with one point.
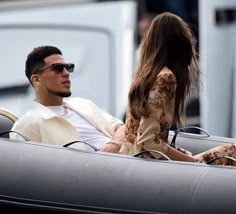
(153, 130)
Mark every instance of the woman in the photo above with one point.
(166, 73)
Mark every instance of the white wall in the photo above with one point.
(217, 62)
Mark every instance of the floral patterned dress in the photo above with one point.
(151, 133)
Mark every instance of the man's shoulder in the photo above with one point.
(27, 120)
(30, 116)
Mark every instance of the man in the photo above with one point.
(57, 121)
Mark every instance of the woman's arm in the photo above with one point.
(174, 154)
(117, 139)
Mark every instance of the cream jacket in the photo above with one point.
(42, 125)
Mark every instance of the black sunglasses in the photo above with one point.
(59, 67)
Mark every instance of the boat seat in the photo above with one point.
(7, 120)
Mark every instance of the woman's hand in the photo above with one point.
(110, 147)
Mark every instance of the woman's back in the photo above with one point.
(153, 129)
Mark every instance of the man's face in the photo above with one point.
(52, 82)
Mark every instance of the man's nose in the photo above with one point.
(65, 72)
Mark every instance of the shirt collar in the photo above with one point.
(44, 111)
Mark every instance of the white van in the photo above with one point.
(97, 37)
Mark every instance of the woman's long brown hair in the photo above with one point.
(168, 42)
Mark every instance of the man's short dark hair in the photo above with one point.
(35, 59)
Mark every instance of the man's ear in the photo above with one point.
(35, 79)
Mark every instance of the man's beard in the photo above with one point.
(59, 93)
